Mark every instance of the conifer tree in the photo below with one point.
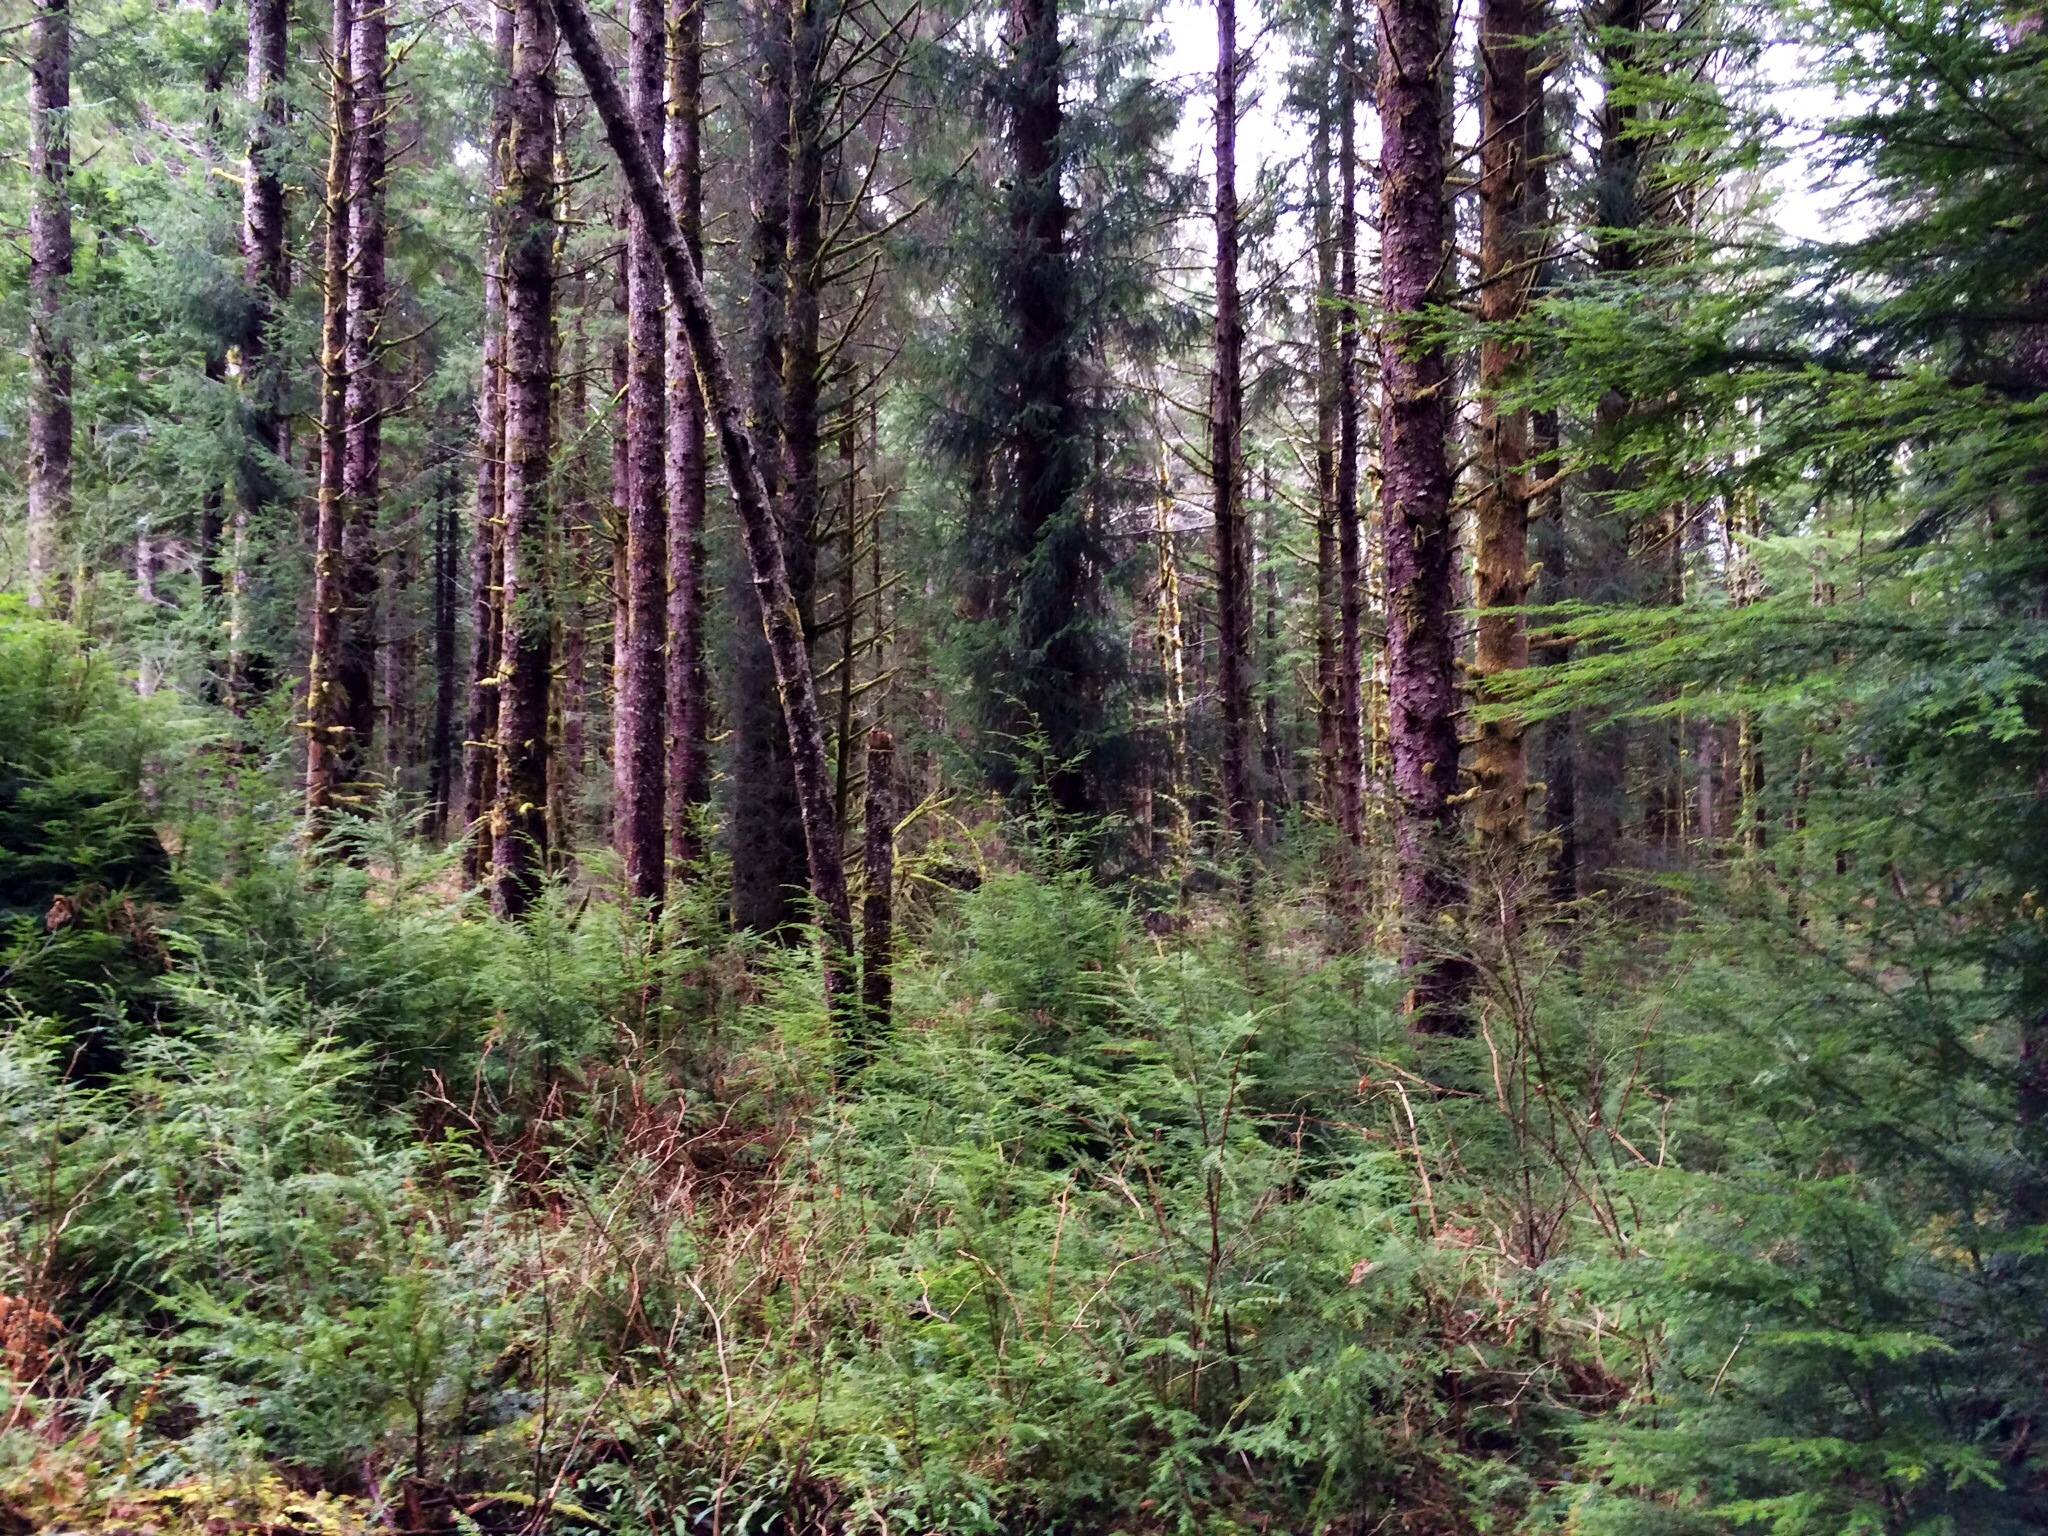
(50, 349)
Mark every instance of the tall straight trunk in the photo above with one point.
(49, 276)
(569, 762)
(329, 747)
(1173, 669)
(1265, 572)
(441, 787)
(519, 818)
(1226, 407)
(362, 397)
(878, 871)
(849, 615)
(487, 552)
(1350, 563)
(1415, 500)
(267, 280)
(642, 699)
(1053, 602)
(759, 531)
(1328, 751)
(688, 753)
(1506, 271)
(766, 830)
(1606, 576)
(622, 578)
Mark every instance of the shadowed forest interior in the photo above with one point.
(819, 767)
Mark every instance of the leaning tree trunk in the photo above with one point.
(1226, 406)
(519, 823)
(758, 528)
(267, 277)
(49, 275)
(642, 701)
(327, 757)
(1415, 501)
(1506, 270)
(689, 761)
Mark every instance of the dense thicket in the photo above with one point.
(1421, 633)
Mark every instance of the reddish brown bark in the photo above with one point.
(49, 276)
(1506, 270)
(642, 699)
(487, 567)
(689, 759)
(1415, 502)
(328, 747)
(519, 828)
(1226, 407)
(758, 527)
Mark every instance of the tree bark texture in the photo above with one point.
(768, 853)
(878, 870)
(688, 729)
(1506, 272)
(519, 817)
(1328, 753)
(487, 551)
(49, 277)
(1226, 407)
(642, 701)
(266, 277)
(1415, 501)
(1350, 560)
(328, 745)
(759, 530)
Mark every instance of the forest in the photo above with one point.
(1055, 767)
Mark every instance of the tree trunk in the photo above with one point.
(878, 869)
(519, 818)
(768, 852)
(267, 279)
(1329, 765)
(1415, 501)
(328, 745)
(1506, 256)
(642, 700)
(1350, 563)
(1226, 406)
(487, 564)
(441, 787)
(759, 531)
(689, 764)
(49, 276)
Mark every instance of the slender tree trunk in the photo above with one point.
(1606, 576)
(519, 818)
(849, 615)
(1415, 500)
(267, 277)
(49, 276)
(1329, 763)
(441, 791)
(1506, 273)
(1173, 667)
(759, 530)
(487, 563)
(329, 749)
(575, 478)
(689, 761)
(878, 868)
(622, 575)
(1350, 563)
(642, 700)
(769, 857)
(1226, 405)
(1266, 572)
